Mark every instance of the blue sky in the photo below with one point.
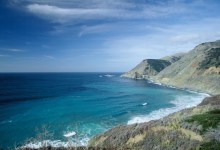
(100, 35)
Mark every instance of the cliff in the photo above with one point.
(194, 128)
(199, 69)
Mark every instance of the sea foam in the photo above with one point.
(180, 102)
(109, 75)
(57, 143)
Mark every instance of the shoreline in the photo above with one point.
(179, 130)
(179, 88)
(170, 86)
(66, 144)
(140, 118)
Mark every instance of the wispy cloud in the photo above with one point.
(45, 46)
(67, 13)
(172, 39)
(49, 57)
(2, 55)
(62, 15)
(112, 32)
(77, 11)
(15, 50)
(12, 49)
(95, 29)
(111, 27)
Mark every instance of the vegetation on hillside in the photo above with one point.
(212, 59)
(157, 64)
(212, 145)
(208, 120)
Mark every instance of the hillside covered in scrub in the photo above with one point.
(199, 69)
(147, 68)
(193, 128)
(151, 67)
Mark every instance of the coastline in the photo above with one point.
(176, 108)
(62, 144)
(179, 88)
(174, 131)
(170, 86)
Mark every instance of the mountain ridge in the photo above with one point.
(187, 71)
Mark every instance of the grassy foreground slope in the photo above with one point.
(194, 128)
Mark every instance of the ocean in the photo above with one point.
(37, 107)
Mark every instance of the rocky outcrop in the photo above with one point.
(147, 68)
(194, 128)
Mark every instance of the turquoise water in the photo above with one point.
(86, 103)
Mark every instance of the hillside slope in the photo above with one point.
(186, 129)
(199, 69)
(147, 68)
(174, 58)
(151, 67)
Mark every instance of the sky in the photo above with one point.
(100, 35)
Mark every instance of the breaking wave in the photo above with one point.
(180, 102)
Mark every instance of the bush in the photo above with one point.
(210, 119)
(212, 145)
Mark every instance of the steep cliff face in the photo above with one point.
(147, 68)
(199, 69)
(186, 129)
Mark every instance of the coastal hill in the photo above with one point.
(147, 68)
(193, 128)
(199, 69)
(174, 58)
(151, 67)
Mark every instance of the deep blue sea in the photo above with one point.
(85, 103)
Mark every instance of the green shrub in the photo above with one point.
(210, 119)
(212, 145)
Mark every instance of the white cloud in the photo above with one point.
(78, 11)
(136, 31)
(58, 14)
